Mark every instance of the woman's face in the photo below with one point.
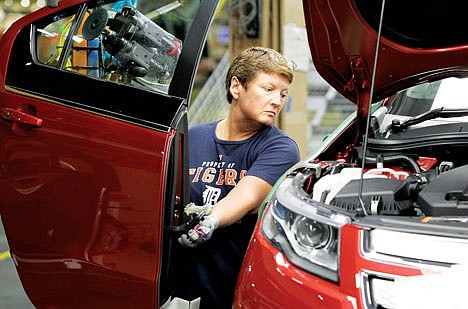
(262, 99)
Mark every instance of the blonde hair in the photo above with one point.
(255, 60)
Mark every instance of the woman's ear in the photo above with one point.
(235, 87)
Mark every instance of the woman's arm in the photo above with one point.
(245, 198)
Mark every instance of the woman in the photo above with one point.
(233, 165)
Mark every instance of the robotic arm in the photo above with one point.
(140, 46)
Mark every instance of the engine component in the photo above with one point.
(379, 195)
(326, 188)
(446, 195)
(404, 159)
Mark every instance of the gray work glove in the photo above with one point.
(200, 233)
(194, 209)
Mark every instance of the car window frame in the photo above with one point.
(24, 75)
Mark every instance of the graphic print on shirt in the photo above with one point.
(211, 195)
(215, 176)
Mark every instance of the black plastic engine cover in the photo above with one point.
(446, 195)
(387, 196)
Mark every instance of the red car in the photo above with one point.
(93, 122)
(378, 216)
(93, 100)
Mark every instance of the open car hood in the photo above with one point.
(420, 40)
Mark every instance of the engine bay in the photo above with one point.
(393, 184)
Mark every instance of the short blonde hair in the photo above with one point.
(255, 60)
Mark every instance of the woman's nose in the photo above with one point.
(277, 98)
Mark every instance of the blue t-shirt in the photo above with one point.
(215, 167)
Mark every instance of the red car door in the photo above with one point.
(92, 160)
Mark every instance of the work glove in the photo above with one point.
(194, 209)
(200, 233)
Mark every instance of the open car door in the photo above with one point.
(93, 98)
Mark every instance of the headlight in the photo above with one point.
(311, 234)
(304, 230)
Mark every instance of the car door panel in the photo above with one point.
(92, 173)
(86, 198)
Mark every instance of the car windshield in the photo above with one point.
(450, 93)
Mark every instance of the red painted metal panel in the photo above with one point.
(268, 280)
(81, 202)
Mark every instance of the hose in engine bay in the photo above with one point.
(396, 158)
